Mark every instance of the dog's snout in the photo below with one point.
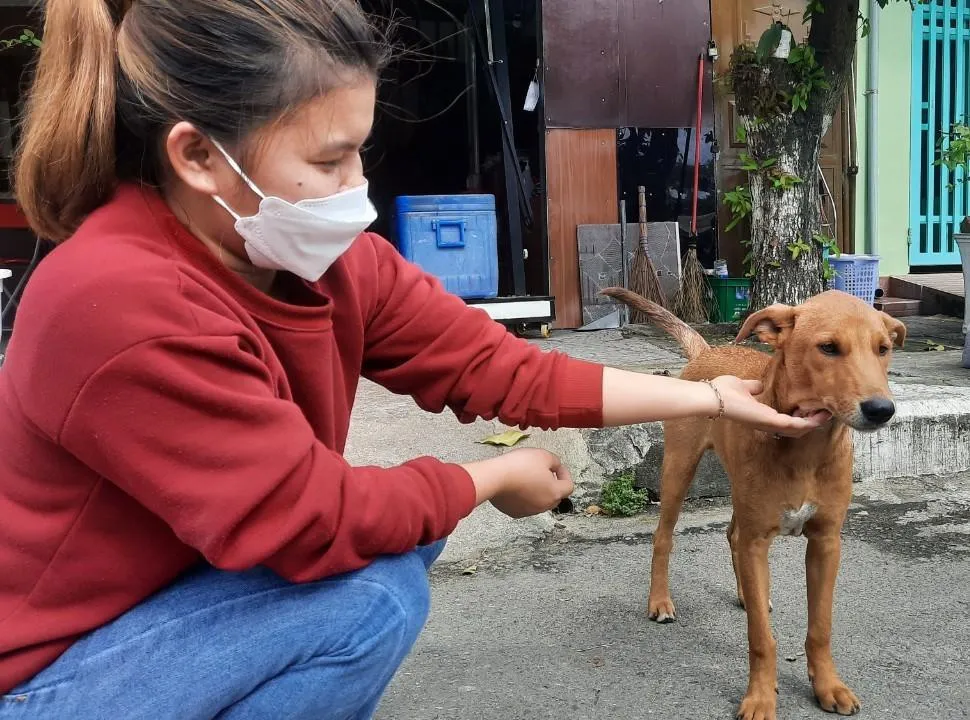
(878, 410)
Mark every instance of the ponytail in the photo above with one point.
(65, 165)
(114, 75)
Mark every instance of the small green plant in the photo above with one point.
(800, 246)
(26, 38)
(953, 153)
(828, 243)
(809, 76)
(813, 8)
(621, 499)
(781, 180)
(797, 248)
(953, 149)
(738, 201)
(751, 164)
(741, 132)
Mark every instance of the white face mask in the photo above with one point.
(304, 238)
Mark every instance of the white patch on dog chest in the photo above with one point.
(793, 521)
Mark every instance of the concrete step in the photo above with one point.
(927, 438)
(898, 307)
(938, 294)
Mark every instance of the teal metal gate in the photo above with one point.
(941, 94)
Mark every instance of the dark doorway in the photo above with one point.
(438, 127)
(662, 160)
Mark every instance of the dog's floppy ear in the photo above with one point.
(897, 331)
(771, 325)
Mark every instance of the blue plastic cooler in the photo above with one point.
(454, 238)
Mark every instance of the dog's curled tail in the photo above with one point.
(690, 340)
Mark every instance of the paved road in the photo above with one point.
(556, 629)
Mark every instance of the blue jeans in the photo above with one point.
(242, 646)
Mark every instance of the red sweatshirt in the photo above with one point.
(157, 411)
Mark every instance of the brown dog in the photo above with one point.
(831, 353)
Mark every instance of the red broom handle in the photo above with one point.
(697, 144)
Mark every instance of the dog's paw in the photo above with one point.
(758, 706)
(662, 610)
(835, 697)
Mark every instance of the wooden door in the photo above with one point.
(737, 21)
(581, 189)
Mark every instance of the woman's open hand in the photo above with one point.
(740, 404)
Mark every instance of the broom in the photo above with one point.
(689, 304)
(643, 274)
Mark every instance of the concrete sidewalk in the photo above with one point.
(556, 630)
(927, 438)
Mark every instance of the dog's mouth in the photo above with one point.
(815, 412)
(856, 420)
(825, 415)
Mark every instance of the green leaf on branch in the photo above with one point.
(797, 248)
(748, 163)
(814, 7)
(769, 42)
(953, 148)
(27, 38)
(827, 243)
(781, 180)
(738, 201)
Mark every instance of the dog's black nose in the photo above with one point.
(878, 410)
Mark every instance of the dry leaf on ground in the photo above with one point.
(509, 438)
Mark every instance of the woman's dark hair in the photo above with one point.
(114, 75)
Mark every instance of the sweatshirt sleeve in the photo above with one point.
(425, 342)
(191, 428)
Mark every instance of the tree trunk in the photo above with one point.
(786, 259)
(785, 221)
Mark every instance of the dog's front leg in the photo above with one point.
(760, 701)
(821, 569)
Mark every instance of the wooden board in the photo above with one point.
(581, 190)
(622, 63)
(600, 262)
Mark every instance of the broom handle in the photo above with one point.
(697, 145)
(624, 264)
(642, 215)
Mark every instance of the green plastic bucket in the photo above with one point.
(731, 298)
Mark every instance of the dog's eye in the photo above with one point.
(883, 349)
(829, 348)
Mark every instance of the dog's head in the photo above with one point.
(833, 354)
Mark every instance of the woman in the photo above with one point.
(181, 536)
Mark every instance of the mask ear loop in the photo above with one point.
(239, 171)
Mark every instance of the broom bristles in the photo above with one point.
(644, 282)
(689, 305)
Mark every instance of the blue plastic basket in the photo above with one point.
(857, 275)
